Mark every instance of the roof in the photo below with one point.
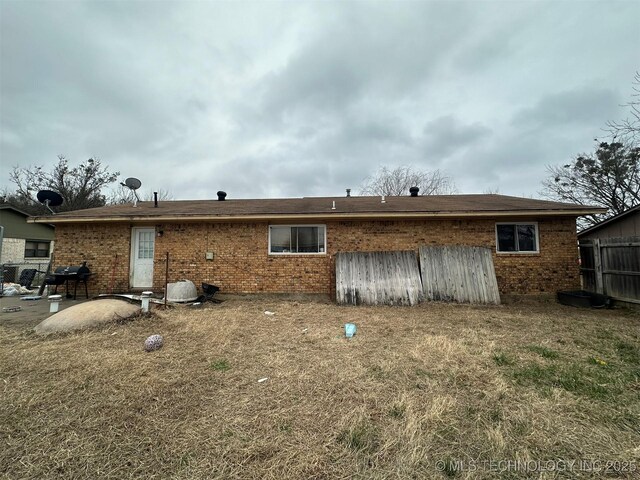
(610, 220)
(308, 208)
(8, 206)
(15, 224)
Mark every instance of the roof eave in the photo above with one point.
(311, 216)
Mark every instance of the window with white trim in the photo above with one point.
(517, 237)
(297, 239)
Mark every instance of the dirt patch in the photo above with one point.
(415, 386)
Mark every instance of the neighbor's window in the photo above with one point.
(517, 237)
(35, 249)
(297, 239)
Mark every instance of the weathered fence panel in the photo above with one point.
(611, 266)
(378, 278)
(459, 273)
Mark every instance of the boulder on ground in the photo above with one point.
(88, 314)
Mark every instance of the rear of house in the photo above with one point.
(289, 245)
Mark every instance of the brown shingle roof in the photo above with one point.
(322, 207)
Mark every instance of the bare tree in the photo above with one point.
(398, 181)
(80, 187)
(628, 130)
(123, 195)
(609, 178)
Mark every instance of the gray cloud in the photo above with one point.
(586, 106)
(292, 99)
(444, 136)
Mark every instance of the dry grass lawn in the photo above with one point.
(528, 381)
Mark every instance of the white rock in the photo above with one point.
(183, 291)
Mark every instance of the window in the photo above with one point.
(517, 237)
(36, 249)
(145, 244)
(297, 239)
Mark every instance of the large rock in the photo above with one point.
(88, 314)
(182, 291)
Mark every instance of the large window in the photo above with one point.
(293, 239)
(517, 237)
(36, 249)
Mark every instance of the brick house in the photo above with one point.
(289, 245)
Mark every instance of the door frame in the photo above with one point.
(133, 255)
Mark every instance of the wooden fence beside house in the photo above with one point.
(378, 278)
(449, 273)
(611, 266)
(460, 274)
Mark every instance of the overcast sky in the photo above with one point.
(272, 99)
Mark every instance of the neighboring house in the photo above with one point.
(23, 243)
(289, 245)
(625, 224)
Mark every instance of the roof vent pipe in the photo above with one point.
(348, 192)
(155, 199)
(382, 200)
(221, 196)
(414, 191)
(333, 207)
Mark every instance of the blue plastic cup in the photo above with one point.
(349, 329)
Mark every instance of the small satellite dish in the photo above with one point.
(133, 184)
(49, 199)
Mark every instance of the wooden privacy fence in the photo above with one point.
(374, 278)
(611, 266)
(460, 274)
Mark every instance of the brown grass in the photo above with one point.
(525, 381)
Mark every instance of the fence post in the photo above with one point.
(597, 260)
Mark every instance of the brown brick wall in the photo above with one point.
(241, 262)
(105, 248)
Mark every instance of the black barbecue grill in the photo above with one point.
(63, 275)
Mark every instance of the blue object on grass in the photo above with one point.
(349, 329)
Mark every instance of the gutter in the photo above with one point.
(313, 216)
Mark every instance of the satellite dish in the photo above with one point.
(49, 199)
(133, 184)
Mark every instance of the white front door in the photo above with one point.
(141, 272)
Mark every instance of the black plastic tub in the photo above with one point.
(584, 299)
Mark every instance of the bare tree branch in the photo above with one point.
(80, 187)
(609, 178)
(628, 130)
(398, 182)
(123, 195)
